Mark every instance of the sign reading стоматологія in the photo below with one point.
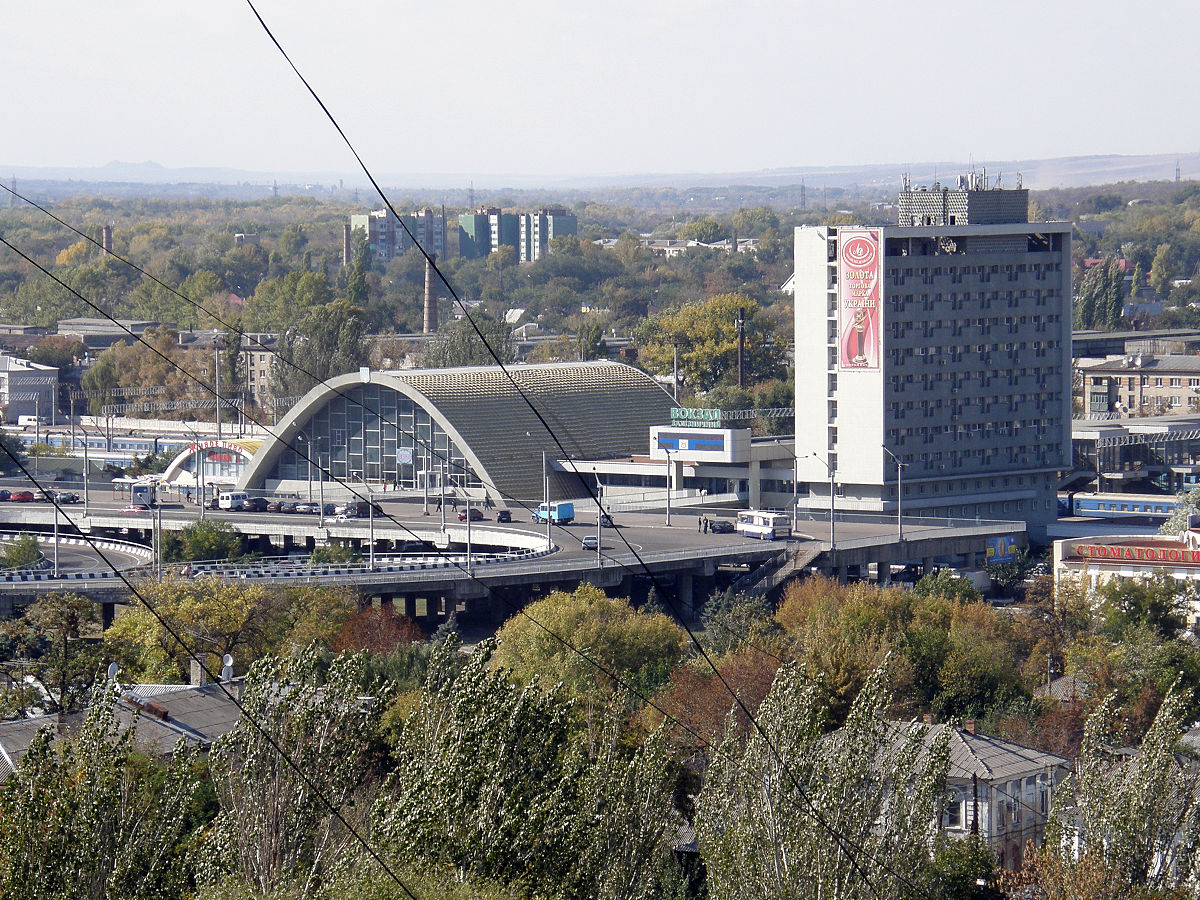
(860, 269)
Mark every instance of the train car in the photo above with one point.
(1143, 507)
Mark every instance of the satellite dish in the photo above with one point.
(113, 668)
(227, 667)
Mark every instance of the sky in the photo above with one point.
(556, 89)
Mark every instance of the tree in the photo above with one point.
(203, 540)
(1160, 603)
(210, 616)
(91, 817)
(45, 645)
(945, 584)
(616, 636)
(58, 351)
(21, 553)
(276, 827)
(327, 342)
(1136, 817)
(12, 452)
(706, 231)
(1160, 269)
(459, 345)
(705, 334)
(492, 780)
(734, 620)
(376, 630)
(793, 812)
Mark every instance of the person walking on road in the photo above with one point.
(699, 524)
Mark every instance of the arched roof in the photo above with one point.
(244, 447)
(595, 410)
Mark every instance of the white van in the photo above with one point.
(232, 500)
(28, 421)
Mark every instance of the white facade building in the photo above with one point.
(944, 340)
(27, 389)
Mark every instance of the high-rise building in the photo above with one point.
(388, 239)
(539, 228)
(944, 340)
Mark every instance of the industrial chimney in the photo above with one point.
(431, 320)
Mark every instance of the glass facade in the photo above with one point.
(376, 434)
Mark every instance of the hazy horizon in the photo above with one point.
(553, 91)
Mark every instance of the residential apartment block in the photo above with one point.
(944, 340)
(388, 239)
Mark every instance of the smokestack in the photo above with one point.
(106, 238)
(431, 322)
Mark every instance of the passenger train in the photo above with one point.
(1143, 507)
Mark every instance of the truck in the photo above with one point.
(558, 513)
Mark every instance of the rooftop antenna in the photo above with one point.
(1020, 181)
(803, 196)
(1177, 171)
(471, 197)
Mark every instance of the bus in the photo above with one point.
(764, 525)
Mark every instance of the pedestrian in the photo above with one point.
(706, 524)
(439, 506)
(699, 524)
(454, 502)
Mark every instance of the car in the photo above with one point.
(591, 542)
(42, 495)
(287, 506)
(214, 503)
(476, 515)
(255, 504)
(273, 505)
(135, 508)
(504, 516)
(66, 497)
(306, 508)
(5, 495)
(721, 526)
(345, 517)
(606, 521)
(330, 509)
(22, 497)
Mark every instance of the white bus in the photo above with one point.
(764, 525)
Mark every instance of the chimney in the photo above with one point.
(927, 718)
(431, 317)
(106, 235)
(969, 726)
(196, 674)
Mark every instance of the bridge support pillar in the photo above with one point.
(685, 587)
(926, 565)
(842, 573)
(410, 607)
(883, 574)
(108, 612)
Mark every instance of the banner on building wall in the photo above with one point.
(1001, 550)
(860, 276)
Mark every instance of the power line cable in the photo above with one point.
(821, 819)
(566, 644)
(262, 731)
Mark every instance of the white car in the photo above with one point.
(591, 542)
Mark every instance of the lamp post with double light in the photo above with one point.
(899, 493)
(832, 500)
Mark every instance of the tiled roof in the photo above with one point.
(198, 715)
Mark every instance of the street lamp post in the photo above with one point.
(371, 523)
(669, 473)
(832, 501)
(599, 517)
(899, 493)
(546, 499)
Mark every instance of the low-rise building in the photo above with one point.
(1141, 385)
(27, 389)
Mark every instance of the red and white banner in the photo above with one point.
(860, 272)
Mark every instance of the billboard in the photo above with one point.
(1001, 550)
(860, 295)
(728, 445)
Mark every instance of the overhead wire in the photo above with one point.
(814, 811)
(551, 432)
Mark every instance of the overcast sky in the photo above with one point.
(593, 88)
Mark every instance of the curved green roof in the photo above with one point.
(593, 409)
